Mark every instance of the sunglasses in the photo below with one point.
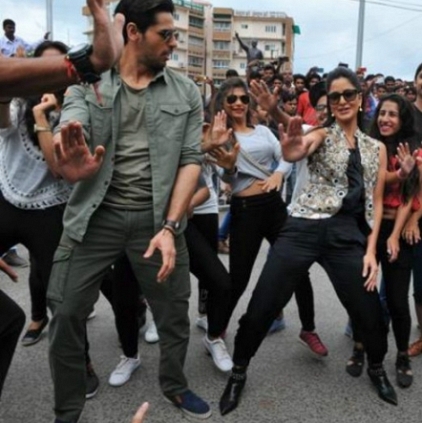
(231, 99)
(320, 107)
(168, 34)
(348, 95)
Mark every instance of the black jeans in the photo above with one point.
(12, 319)
(207, 267)
(338, 246)
(39, 231)
(207, 225)
(253, 219)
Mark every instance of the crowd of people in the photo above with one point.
(125, 169)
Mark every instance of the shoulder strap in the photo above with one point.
(254, 163)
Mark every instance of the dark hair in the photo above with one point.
(269, 66)
(28, 116)
(47, 44)
(299, 76)
(288, 96)
(342, 72)
(142, 13)
(225, 88)
(8, 22)
(231, 73)
(254, 74)
(278, 76)
(406, 133)
(389, 78)
(310, 77)
(418, 70)
(409, 89)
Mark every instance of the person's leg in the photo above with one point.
(207, 225)
(288, 262)
(12, 319)
(344, 250)
(41, 244)
(416, 347)
(75, 281)
(169, 300)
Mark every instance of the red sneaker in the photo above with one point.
(311, 340)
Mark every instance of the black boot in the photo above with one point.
(231, 395)
(403, 370)
(382, 384)
(355, 364)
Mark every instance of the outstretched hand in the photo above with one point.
(406, 159)
(263, 96)
(108, 36)
(73, 157)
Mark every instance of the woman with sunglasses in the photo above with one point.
(330, 223)
(257, 210)
(394, 125)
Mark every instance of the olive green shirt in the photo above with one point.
(173, 119)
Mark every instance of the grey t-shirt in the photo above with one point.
(131, 184)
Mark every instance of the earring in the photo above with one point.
(360, 108)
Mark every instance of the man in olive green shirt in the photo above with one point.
(131, 147)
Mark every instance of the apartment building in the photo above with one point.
(207, 43)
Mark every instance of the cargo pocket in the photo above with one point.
(59, 273)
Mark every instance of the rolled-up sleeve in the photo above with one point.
(75, 109)
(191, 149)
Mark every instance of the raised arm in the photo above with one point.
(242, 44)
(295, 145)
(24, 77)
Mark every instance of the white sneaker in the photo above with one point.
(151, 335)
(218, 351)
(202, 322)
(123, 372)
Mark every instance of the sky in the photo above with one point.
(392, 36)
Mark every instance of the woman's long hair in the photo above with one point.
(342, 72)
(218, 103)
(406, 134)
(28, 116)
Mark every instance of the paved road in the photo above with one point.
(286, 383)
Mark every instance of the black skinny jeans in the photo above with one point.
(338, 246)
(207, 267)
(397, 277)
(254, 219)
(39, 231)
(12, 319)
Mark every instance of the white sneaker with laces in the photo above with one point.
(123, 372)
(151, 335)
(202, 322)
(218, 351)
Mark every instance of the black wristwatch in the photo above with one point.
(171, 225)
(79, 57)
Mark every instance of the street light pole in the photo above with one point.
(361, 27)
(49, 9)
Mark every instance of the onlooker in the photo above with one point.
(9, 43)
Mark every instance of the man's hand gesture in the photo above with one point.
(73, 157)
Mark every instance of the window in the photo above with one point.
(244, 26)
(221, 45)
(196, 62)
(220, 64)
(222, 26)
(176, 17)
(284, 30)
(196, 41)
(269, 47)
(196, 22)
(174, 56)
(270, 28)
(243, 65)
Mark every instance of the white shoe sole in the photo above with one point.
(116, 385)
